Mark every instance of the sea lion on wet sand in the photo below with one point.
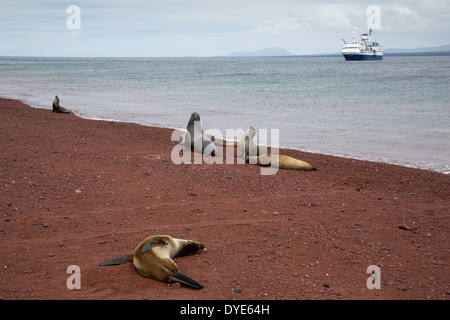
(57, 108)
(195, 140)
(152, 258)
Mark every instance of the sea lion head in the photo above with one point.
(194, 127)
(189, 247)
(251, 132)
(176, 247)
(194, 117)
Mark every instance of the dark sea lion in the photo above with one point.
(195, 140)
(57, 108)
(152, 258)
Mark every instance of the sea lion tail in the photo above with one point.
(117, 260)
(181, 277)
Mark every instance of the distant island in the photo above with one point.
(266, 52)
(281, 52)
(443, 48)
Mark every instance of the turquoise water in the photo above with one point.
(395, 111)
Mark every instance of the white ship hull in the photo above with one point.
(363, 56)
(365, 50)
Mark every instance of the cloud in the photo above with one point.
(286, 26)
(210, 27)
(407, 16)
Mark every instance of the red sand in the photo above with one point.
(77, 192)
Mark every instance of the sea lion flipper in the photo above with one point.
(181, 277)
(153, 242)
(116, 261)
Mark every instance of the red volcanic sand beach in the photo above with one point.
(77, 192)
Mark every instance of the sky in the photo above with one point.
(179, 28)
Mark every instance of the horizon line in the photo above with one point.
(336, 54)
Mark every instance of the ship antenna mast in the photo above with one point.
(354, 35)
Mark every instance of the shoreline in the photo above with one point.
(378, 159)
(77, 192)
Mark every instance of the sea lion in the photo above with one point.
(247, 146)
(282, 162)
(57, 108)
(195, 140)
(152, 258)
(255, 154)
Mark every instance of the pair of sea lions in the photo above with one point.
(57, 108)
(195, 140)
(254, 154)
(152, 258)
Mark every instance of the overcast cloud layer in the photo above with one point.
(168, 28)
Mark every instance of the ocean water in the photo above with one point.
(396, 110)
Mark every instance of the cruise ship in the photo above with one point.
(364, 50)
